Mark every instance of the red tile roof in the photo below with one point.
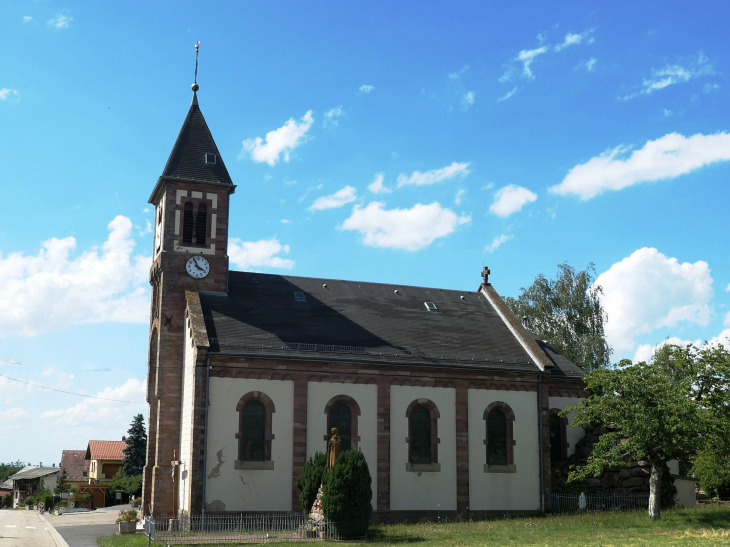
(75, 464)
(105, 450)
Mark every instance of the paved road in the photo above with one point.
(24, 529)
(82, 529)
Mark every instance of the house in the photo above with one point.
(76, 466)
(27, 481)
(451, 399)
(104, 459)
(6, 489)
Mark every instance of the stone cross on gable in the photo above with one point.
(485, 274)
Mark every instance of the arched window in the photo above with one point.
(422, 438)
(254, 434)
(253, 431)
(496, 438)
(201, 222)
(342, 412)
(558, 437)
(188, 223)
(500, 442)
(341, 418)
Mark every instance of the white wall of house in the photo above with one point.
(574, 434)
(186, 421)
(248, 490)
(422, 491)
(49, 481)
(504, 491)
(366, 396)
(686, 494)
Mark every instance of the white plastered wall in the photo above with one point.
(686, 492)
(248, 490)
(516, 491)
(186, 422)
(366, 396)
(430, 491)
(574, 434)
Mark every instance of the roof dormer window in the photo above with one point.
(430, 306)
(210, 159)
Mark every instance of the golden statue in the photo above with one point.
(333, 449)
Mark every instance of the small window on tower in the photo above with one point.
(210, 159)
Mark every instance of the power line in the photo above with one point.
(71, 392)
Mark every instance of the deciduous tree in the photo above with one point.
(673, 407)
(567, 313)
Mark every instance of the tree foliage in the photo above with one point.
(62, 482)
(10, 468)
(310, 480)
(568, 314)
(670, 408)
(135, 452)
(347, 494)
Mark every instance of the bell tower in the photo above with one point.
(191, 200)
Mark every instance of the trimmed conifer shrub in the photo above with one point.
(347, 494)
(310, 480)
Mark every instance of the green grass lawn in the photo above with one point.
(703, 525)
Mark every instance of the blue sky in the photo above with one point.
(405, 142)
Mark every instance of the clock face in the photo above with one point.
(197, 267)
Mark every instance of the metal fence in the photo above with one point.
(242, 528)
(574, 503)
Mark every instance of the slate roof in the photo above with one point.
(7, 485)
(356, 321)
(75, 463)
(33, 472)
(563, 369)
(105, 450)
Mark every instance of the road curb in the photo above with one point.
(57, 538)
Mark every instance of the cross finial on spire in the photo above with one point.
(485, 274)
(195, 85)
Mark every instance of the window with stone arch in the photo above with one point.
(188, 223)
(423, 439)
(499, 420)
(558, 436)
(254, 434)
(343, 412)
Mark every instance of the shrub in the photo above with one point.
(47, 500)
(30, 500)
(310, 480)
(7, 501)
(347, 494)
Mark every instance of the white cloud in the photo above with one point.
(366, 88)
(667, 157)
(408, 229)
(376, 187)
(722, 339)
(667, 113)
(330, 117)
(13, 414)
(347, 195)
(646, 351)
(435, 175)
(96, 411)
(458, 73)
(6, 93)
(52, 290)
(575, 39)
(527, 56)
(497, 242)
(60, 21)
(285, 221)
(507, 95)
(459, 195)
(257, 254)
(726, 322)
(648, 290)
(590, 64)
(511, 199)
(467, 100)
(710, 87)
(727, 288)
(673, 74)
(27, 19)
(281, 140)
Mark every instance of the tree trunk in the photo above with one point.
(655, 486)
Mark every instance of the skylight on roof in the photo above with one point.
(299, 296)
(430, 306)
(210, 159)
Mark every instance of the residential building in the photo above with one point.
(28, 480)
(76, 466)
(104, 460)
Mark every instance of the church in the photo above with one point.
(452, 401)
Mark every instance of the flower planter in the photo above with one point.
(128, 527)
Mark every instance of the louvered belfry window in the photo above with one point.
(188, 223)
(200, 225)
